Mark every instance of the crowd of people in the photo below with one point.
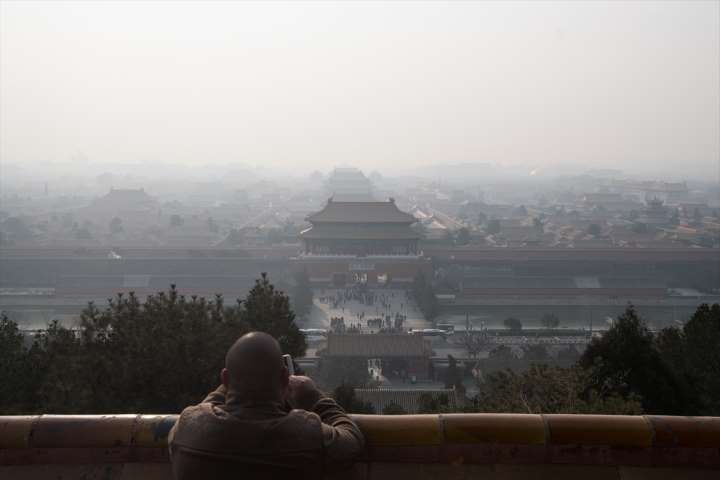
(388, 314)
(365, 296)
(389, 324)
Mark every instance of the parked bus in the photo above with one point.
(313, 332)
(446, 327)
(429, 332)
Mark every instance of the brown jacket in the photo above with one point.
(216, 439)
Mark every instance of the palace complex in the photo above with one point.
(366, 242)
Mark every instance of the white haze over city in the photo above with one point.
(395, 87)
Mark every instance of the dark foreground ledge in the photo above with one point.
(502, 446)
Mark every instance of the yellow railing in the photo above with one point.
(680, 446)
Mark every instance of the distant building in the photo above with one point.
(689, 209)
(670, 192)
(361, 242)
(518, 234)
(125, 201)
(612, 202)
(472, 210)
(656, 214)
(410, 400)
(433, 229)
(349, 185)
(398, 355)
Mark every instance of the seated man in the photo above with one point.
(262, 422)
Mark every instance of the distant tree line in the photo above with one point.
(424, 295)
(159, 355)
(164, 353)
(627, 370)
(302, 294)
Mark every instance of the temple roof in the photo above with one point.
(361, 212)
(124, 198)
(360, 232)
(377, 346)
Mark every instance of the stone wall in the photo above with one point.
(455, 446)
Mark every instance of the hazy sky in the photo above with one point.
(379, 85)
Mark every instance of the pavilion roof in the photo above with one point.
(360, 232)
(361, 212)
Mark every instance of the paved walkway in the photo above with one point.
(388, 301)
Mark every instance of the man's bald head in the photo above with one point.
(254, 368)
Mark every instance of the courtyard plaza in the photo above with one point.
(356, 306)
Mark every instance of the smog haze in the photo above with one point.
(395, 87)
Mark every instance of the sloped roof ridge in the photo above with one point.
(359, 212)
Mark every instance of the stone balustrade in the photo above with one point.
(456, 446)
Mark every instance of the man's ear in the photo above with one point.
(225, 377)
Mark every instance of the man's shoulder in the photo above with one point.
(192, 416)
(194, 411)
(304, 416)
(206, 415)
(205, 427)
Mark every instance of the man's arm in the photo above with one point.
(343, 441)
